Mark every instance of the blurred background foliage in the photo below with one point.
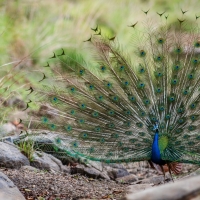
(31, 30)
(40, 27)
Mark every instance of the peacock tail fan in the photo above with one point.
(106, 110)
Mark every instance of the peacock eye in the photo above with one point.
(159, 74)
(190, 76)
(103, 68)
(198, 137)
(142, 53)
(128, 112)
(146, 102)
(158, 58)
(69, 128)
(58, 140)
(171, 99)
(160, 41)
(143, 113)
(193, 105)
(75, 144)
(126, 82)
(73, 89)
(161, 108)
(72, 112)
(197, 44)
(174, 81)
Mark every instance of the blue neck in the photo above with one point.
(155, 152)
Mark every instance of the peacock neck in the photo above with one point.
(155, 152)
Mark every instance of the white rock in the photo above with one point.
(182, 189)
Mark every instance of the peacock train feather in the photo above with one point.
(139, 106)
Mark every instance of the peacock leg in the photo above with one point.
(170, 172)
(163, 171)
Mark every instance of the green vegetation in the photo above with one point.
(37, 28)
(27, 148)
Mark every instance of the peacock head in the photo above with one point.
(155, 127)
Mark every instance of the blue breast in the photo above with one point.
(155, 152)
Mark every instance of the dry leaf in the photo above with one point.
(117, 191)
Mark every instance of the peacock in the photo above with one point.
(125, 107)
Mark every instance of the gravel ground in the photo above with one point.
(41, 185)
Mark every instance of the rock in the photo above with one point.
(66, 169)
(89, 171)
(155, 180)
(95, 164)
(114, 173)
(8, 191)
(136, 165)
(7, 129)
(48, 162)
(11, 157)
(115, 165)
(136, 188)
(182, 189)
(132, 171)
(30, 168)
(104, 175)
(94, 173)
(127, 179)
(197, 172)
(78, 169)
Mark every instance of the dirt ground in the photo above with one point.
(42, 185)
